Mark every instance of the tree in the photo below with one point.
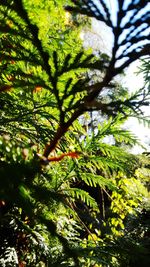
(45, 149)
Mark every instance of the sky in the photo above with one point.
(101, 38)
(134, 82)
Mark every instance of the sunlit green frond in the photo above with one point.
(68, 184)
(79, 194)
(94, 180)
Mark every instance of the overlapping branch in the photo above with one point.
(127, 48)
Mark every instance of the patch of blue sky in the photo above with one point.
(125, 51)
(112, 7)
(142, 30)
(131, 81)
(129, 32)
(143, 13)
(128, 2)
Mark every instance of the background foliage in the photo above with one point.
(71, 193)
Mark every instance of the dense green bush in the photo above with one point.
(68, 197)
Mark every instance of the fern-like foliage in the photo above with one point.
(45, 87)
(128, 34)
(32, 64)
